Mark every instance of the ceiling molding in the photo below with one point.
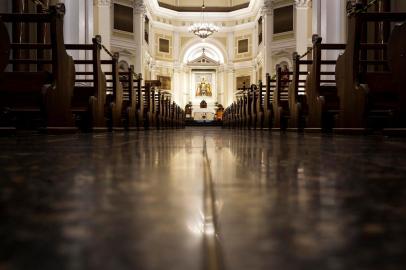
(250, 11)
(199, 9)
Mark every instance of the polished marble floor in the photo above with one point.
(202, 198)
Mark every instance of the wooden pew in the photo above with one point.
(140, 101)
(173, 115)
(89, 94)
(371, 90)
(131, 83)
(240, 113)
(46, 88)
(298, 107)
(177, 116)
(151, 104)
(181, 117)
(232, 115)
(240, 107)
(313, 100)
(228, 116)
(114, 98)
(168, 115)
(321, 90)
(280, 102)
(165, 111)
(159, 102)
(264, 102)
(247, 116)
(253, 108)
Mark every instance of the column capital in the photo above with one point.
(267, 8)
(303, 3)
(102, 3)
(139, 7)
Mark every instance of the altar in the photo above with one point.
(203, 91)
(203, 116)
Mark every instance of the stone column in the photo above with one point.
(139, 18)
(176, 86)
(231, 81)
(254, 79)
(154, 71)
(329, 20)
(220, 91)
(255, 40)
(103, 23)
(229, 70)
(303, 27)
(224, 86)
(316, 17)
(177, 92)
(230, 47)
(267, 20)
(78, 26)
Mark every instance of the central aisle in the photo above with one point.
(204, 199)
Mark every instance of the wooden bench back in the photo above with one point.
(45, 55)
(365, 69)
(4, 46)
(270, 88)
(89, 72)
(281, 92)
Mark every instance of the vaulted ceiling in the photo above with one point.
(211, 5)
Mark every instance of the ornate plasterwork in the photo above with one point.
(267, 8)
(303, 3)
(203, 60)
(139, 7)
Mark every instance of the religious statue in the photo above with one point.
(204, 89)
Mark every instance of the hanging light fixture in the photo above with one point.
(203, 29)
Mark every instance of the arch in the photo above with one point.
(212, 46)
(285, 61)
(123, 65)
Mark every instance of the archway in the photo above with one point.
(204, 81)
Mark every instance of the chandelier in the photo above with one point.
(203, 29)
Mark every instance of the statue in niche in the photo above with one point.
(204, 89)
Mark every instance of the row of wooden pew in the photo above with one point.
(42, 86)
(362, 91)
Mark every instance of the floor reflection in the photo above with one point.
(310, 202)
(187, 198)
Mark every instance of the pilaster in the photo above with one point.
(103, 22)
(139, 18)
(267, 19)
(303, 29)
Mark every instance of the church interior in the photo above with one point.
(202, 134)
